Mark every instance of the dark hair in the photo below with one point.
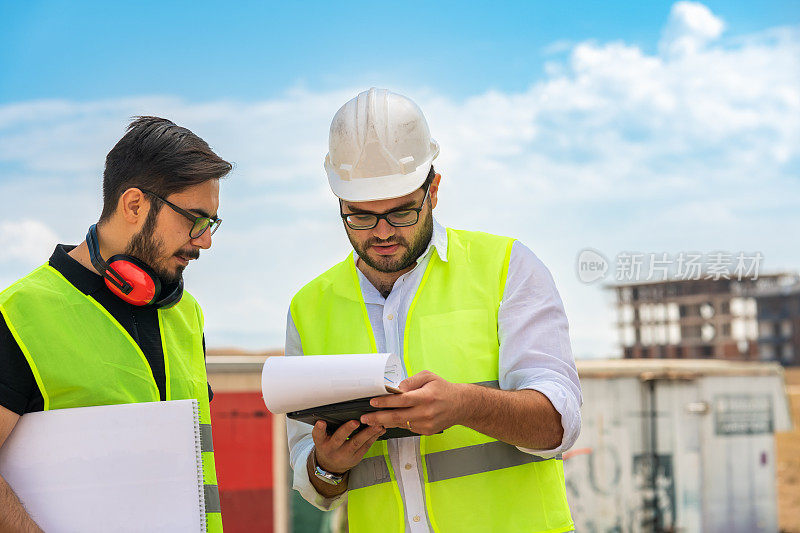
(429, 179)
(157, 155)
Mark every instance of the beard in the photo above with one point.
(149, 249)
(413, 251)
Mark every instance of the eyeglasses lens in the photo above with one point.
(200, 226)
(403, 218)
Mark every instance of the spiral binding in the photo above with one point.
(199, 455)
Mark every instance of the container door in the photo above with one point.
(666, 463)
(739, 493)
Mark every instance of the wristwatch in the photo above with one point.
(328, 477)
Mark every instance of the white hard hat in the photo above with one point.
(379, 147)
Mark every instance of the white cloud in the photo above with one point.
(690, 27)
(26, 241)
(614, 149)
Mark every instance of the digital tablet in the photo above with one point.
(336, 414)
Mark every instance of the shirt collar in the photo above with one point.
(82, 278)
(439, 240)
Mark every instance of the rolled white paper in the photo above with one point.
(295, 383)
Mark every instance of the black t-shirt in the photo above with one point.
(18, 390)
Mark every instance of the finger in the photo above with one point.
(358, 440)
(366, 446)
(417, 380)
(392, 401)
(319, 434)
(395, 418)
(344, 431)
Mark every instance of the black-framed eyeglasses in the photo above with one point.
(199, 223)
(399, 218)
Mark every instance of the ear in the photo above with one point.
(133, 206)
(434, 189)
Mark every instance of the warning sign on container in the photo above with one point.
(743, 414)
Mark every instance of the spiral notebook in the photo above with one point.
(123, 468)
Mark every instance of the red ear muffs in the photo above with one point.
(130, 278)
(145, 285)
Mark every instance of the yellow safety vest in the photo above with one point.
(472, 482)
(81, 356)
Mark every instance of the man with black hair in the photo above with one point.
(107, 321)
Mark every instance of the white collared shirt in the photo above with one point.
(535, 354)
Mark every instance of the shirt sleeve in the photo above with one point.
(18, 388)
(300, 441)
(535, 351)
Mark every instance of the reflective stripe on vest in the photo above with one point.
(206, 441)
(449, 464)
(84, 357)
(471, 481)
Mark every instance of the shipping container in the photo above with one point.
(677, 445)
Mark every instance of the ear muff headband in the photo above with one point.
(111, 276)
(129, 278)
(172, 298)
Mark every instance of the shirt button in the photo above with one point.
(408, 466)
(417, 518)
(390, 317)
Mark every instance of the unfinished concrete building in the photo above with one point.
(779, 324)
(692, 318)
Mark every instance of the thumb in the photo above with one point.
(417, 381)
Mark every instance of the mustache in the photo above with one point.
(192, 253)
(385, 242)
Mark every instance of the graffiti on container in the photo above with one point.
(597, 473)
(602, 468)
(654, 480)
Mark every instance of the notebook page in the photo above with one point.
(127, 468)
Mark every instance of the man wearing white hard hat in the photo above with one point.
(492, 390)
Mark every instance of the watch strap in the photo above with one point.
(324, 475)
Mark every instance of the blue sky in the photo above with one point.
(655, 127)
(254, 50)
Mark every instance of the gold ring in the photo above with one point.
(408, 423)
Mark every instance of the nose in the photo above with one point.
(203, 241)
(383, 230)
